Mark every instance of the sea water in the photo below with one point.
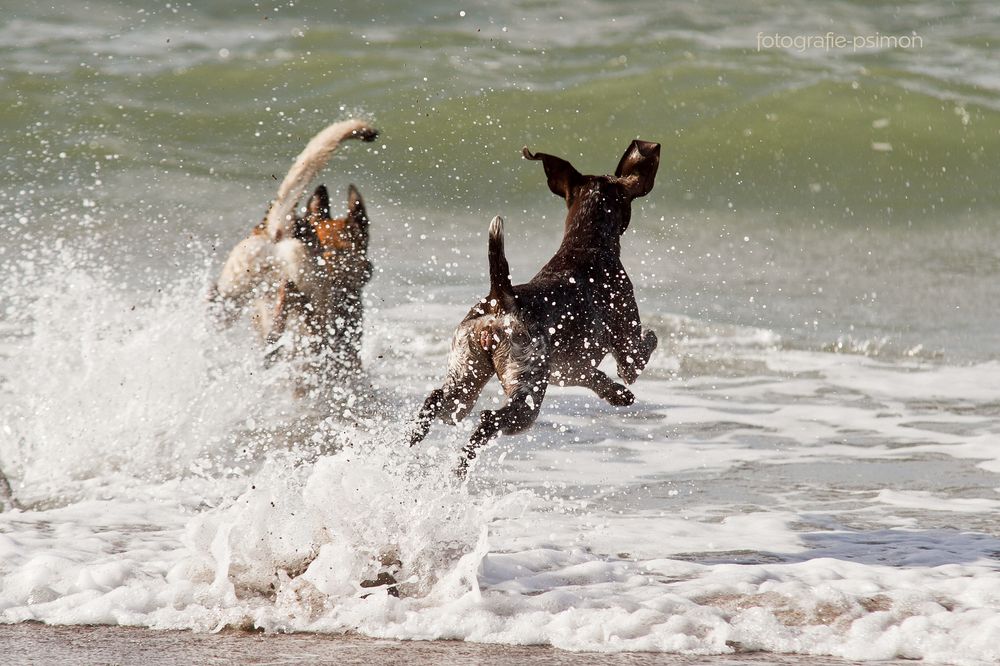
(812, 462)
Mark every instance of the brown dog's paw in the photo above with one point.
(649, 342)
(621, 396)
(634, 365)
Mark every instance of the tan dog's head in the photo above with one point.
(341, 243)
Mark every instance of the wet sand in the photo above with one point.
(34, 643)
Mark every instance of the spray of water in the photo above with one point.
(298, 498)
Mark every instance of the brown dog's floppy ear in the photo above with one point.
(356, 212)
(637, 167)
(563, 177)
(319, 204)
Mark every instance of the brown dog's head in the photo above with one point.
(632, 179)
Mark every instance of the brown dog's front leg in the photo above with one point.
(632, 359)
(607, 389)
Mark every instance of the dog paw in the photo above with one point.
(649, 341)
(628, 373)
(633, 366)
(621, 396)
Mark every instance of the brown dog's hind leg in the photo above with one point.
(516, 416)
(522, 365)
(469, 368)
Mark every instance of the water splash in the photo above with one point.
(97, 375)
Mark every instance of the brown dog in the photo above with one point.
(559, 326)
(304, 275)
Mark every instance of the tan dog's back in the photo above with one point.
(305, 275)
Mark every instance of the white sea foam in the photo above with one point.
(155, 495)
(103, 379)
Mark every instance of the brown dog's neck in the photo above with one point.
(595, 221)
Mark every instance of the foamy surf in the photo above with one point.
(756, 498)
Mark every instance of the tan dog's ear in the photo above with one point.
(318, 207)
(317, 210)
(356, 212)
(637, 167)
(562, 176)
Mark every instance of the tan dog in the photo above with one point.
(301, 278)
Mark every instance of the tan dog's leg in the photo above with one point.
(7, 494)
(280, 317)
(243, 269)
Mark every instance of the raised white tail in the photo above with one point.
(309, 163)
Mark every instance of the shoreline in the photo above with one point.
(36, 643)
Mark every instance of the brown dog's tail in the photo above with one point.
(280, 219)
(501, 290)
